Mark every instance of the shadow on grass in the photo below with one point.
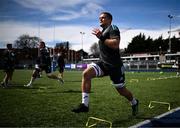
(73, 81)
(56, 91)
(21, 86)
(119, 123)
(73, 91)
(129, 119)
(39, 90)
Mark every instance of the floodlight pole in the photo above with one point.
(39, 29)
(54, 33)
(170, 18)
(82, 34)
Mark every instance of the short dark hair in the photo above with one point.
(9, 46)
(42, 42)
(108, 15)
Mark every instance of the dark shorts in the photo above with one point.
(43, 67)
(61, 69)
(8, 68)
(116, 74)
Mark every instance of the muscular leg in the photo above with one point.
(61, 75)
(5, 81)
(128, 95)
(61, 72)
(8, 76)
(52, 76)
(125, 92)
(87, 75)
(33, 77)
(11, 75)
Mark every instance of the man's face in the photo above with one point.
(9, 46)
(104, 20)
(41, 45)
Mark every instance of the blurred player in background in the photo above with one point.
(9, 64)
(178, 62)
(61, 65)
(178, 66)
(43, 64)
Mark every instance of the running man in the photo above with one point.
(178, 65)
(110, 64)
(61, 65)
(43, 64)
(9, 65)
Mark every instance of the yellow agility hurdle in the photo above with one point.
(98, 120)
(166, 103)
(134, 80)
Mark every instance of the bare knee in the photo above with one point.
(88, 74)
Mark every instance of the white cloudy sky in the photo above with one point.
(63, 20)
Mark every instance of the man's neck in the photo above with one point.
(105, 26)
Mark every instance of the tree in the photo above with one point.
(25, 41)
(175, 44)
(140, 44)
(137, 44)
(148, 44)
(158, 45)
(95, 49)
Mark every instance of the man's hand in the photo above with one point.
(97, 32)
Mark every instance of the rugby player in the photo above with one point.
(43, 64)
(110, 64)
(61, 65)
(9, 65)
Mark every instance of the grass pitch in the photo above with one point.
(49, 104)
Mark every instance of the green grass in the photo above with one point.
(49, 104)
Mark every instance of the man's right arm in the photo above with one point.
(112, 43)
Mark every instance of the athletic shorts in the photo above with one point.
(116, 74)
(61, 69)
(9, 69)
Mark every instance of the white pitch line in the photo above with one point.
(163, 78)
